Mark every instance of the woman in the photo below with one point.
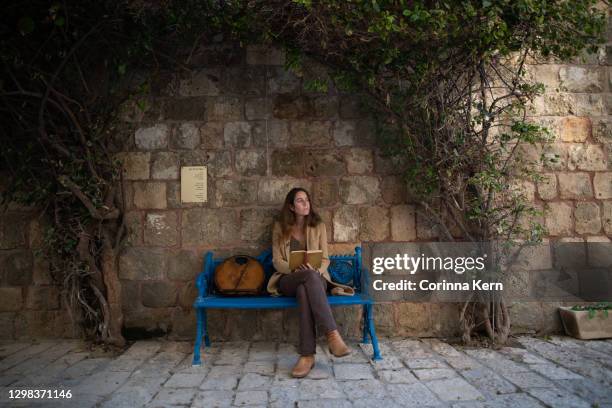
(301, 228)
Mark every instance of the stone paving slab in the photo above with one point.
(552, 372)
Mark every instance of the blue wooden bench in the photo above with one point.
(345, 269)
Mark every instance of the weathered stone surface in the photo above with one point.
(211, 134)
(203, 226)
(282, 81)
(287, 163)
(350, 107)
(321, 163)
(224, 108)
(587, 218)
(235, 192)
(256, 225)
(219, 164)
(130, 295)
(264, 55)
(277, 135)
(273, 191)
(547, 186)
(258, 108)
(290, 106)
(344, 133)
(584, 104)
(581, 79)
(389, 164)
(606, 217)
(184, 265)
(374, 223)
(325, 107)
(325, 192)
(203, 83)
(238, 134)
(359, 161)
(43, 298)
(244, 80)
(555, 156)
(135, 165)
(251, 162)
(192, 108)
(346, 224)
(143, 263)
(403, 223)
(161, 228)
(575, 129)
(586, 157)
(603, 185)
(165, 166)
(316, 133)
(186, 136)
(575, 185)
(153, 137)
(17, 267)
(11, 300)
(158, 294)
(359, 190)
(149, 195)
(523, 188)
(559, 219)
(12, 231)
(553, 104)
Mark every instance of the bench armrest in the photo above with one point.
(203, 279)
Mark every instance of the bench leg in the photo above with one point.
(205, 321)
(198, 342)
(365, 339)
(372, 332)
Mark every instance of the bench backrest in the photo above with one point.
(345, 269)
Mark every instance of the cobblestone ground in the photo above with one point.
(557, 372)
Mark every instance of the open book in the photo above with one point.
(298, 258)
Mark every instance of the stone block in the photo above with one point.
(135, 165)
(278, 134)
(555, 156)
(325, 107)
(287, 163)
(8, 327)
(553, 104)
(165, 166)
(346, 224)
(294, 107)
(184, 266)
(186, 136)
(351, 107)
(43, 298)
(264, 55)
(558, 218)
(587, 218)
(17, 267)
(191, 108)
(322, 163)
(547, 186)
(374, 224)
(344, 133)
(574, 185)
(204, 82)
(133, 224)
(389, 163)
(258, 108)
(282, 81)
(359, 190)
(325, 192)
(130, 295)
(210, 226)
(235, 192)
(308, 134)
(584, 104)
(149, 195)
(575, 129)
(212, 135)
(152, 138)
(603, 185)
(158, 294)
(41, 273)
(359, 161)
(244, 80)
(581, 79)
(143, 263)
(602, 130)
(219, 163)
(237, 134)
(606, 217)
(224, 108)
(161, 228)
(12, 231)
(256, 225)
(11, 300)
(426, 229)
(524, 189)
(403, 223)
(251, 162)
(586, 157)
(273, 191)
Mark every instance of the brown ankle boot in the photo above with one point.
(336, 344)
(303, 366)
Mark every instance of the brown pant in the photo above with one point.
(309, 288)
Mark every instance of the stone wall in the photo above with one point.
(260, 132)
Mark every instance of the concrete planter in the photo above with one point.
(577, 324)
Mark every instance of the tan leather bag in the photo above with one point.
(239, 275)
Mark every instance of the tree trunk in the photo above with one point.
(113, 295)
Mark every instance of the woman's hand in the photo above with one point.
(307, 266)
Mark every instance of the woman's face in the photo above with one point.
(301, 205)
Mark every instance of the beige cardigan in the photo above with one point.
(316, 238)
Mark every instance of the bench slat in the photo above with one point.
(270, 302)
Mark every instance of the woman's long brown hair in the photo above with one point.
(287, 217)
